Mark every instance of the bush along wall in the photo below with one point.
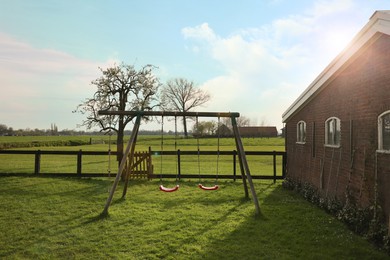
(368, 222)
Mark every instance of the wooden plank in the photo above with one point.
(141, 165)
(170, 113)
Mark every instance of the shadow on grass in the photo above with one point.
(289, 228)
(11, 184)
(93, 219)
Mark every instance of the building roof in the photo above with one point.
(258, 130)
(255, 128)
(379, 22)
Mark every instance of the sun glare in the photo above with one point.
(336, 41)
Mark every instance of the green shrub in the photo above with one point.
(16, 145)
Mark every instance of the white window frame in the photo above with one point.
(380, 132)
(301, 132)
(335, 140)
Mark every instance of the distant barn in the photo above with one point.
(258, 131)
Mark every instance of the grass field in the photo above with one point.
(144, 141)
(99, 164)
(58, 218)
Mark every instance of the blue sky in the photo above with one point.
(253, 57)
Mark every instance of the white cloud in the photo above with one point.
(39, 86)
(325, 8)
(262, 64)
(203, 32)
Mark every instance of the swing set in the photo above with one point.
(162, 188)
(130, 149)
(175, 188)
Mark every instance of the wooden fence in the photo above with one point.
(79, 155)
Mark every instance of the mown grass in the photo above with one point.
(58, 218)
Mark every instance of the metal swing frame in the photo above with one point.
(129, 152)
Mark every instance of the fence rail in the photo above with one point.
(38, 153)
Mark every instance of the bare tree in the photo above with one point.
(241, 121)
(264, 121)
(120, 88)
(182, 95)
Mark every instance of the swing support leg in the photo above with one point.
(130, 160)
(129, 148)
(242, 171)
(245, 167)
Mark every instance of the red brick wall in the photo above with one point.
(357, 95)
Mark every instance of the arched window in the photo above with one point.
(384, 131)
(332, 131)
(301, 132)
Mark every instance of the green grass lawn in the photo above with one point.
(58, 218)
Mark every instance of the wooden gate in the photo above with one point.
(141, 167)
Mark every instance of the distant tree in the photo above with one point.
(10, 131)
(241, 121)
(120, 88)
(3, 129)
(205, 128)
(264, 121)
(53, 129)
(182, 95)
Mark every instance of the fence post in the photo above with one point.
(234, 164)
(274, 157)
(37, 167)
(284, 162)
(178, 164)
(79, 160)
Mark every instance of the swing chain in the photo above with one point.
(218, 146)
(162, 147)
(197, 143)
(162, 188)
(177, 160)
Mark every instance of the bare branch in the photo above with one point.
(182, 95)
(121, 88)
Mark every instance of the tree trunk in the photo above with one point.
(185, 127)
(119, 141)
(119, 147)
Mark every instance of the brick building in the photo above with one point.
(338, 129)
